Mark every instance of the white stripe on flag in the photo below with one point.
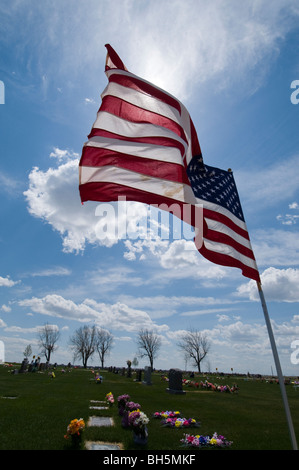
(151, 151)
(222, 228)
(142, 100)
(120, 176)
(229, 251)
(111, 123)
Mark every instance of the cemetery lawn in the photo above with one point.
(36, 409)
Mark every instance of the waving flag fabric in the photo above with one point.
(143, 145)
(140, 146)
(225, 236)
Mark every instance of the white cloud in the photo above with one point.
(289, 219)
(55, 271)
(6, 308)
(115, 316)
(278, 285)
(170, 43)
(181, 259)
(206, 311)
(7, 282)
(53, 196)
(164, 306)
(275, 247)
(21, 330)
(257, 192)
(63, 155)
(9, 185)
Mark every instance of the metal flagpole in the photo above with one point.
(278, 368)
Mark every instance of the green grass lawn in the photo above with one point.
(254, 418)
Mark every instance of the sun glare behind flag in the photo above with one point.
(143, 145)
(140, 146)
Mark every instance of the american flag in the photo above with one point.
(143, 145)
(225, 235)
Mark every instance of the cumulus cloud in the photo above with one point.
(278, 285)
(6, 308)
(289, 219)
(118, 316)
(7, 282)
(53, 196)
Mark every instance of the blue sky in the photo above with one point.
(232, 64)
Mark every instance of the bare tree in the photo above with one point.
(28, 351)
(195, 346)
(48, 336)
(148, 343)
(104, 342)
(83, 343)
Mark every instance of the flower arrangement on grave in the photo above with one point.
(190, 383)
(180, 423)
(74, 430)
(138, 423)
(129, 407)
(218, 388)
(122, 400)
(110, 398)
(121, 403)
(98, 379)
(132, 406)
(166, 414)
(205, 441)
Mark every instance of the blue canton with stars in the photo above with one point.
(214, 185)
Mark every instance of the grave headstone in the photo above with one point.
(97, 445)
(23, 367)
(139, 375)
(175, 382)
(100, 421)
(147, 376)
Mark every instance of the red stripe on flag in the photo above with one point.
(224, 239)
(144, 87)
(225, 260)
(132, 113)
(107, 192)
(118, 63)
(95, 157)
(161, 141)
(218, 216)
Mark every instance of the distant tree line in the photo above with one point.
(88, 340)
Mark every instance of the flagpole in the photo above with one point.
(278, 367)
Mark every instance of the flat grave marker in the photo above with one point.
(100, 421)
